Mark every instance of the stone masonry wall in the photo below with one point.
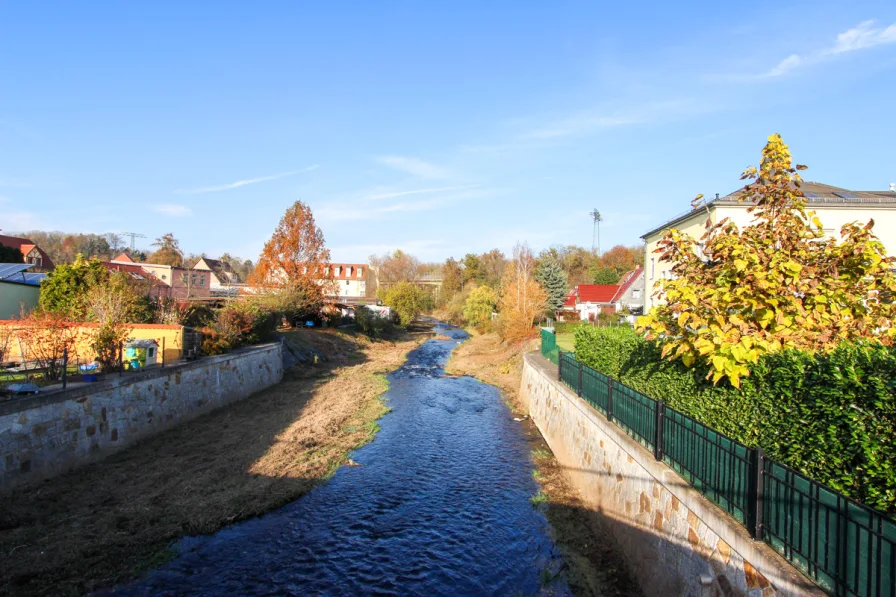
(44, 435)
(674, 540)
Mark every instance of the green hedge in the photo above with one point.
(831, 415)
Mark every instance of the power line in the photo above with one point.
(133, 235)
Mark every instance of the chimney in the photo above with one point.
(893, 187)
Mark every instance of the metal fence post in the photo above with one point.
(560, 366)
(579, 389)
(64, 367)
(755, 493)
(610, 383)
(163, 352)
(660, 424)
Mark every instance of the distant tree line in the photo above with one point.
(64, 248)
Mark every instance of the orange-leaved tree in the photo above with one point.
(295, 260)
(523, 299)
(44, 337)
(775, 284)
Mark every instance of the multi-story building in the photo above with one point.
(833, 205)
(180, 282)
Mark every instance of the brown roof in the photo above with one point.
(136, 272)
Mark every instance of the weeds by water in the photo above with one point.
(539, 498)
(541, 454)
(537, 475)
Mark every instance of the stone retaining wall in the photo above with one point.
(674, 540)
(43, 435)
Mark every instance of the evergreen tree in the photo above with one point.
(553, 279)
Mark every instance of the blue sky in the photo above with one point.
(436, 128)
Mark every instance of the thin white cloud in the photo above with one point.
(392, 194)
(864, 35)
(785, 66)
(172, 209)
(413, 166)
(345, 211)
(242, 183)
(591, 122)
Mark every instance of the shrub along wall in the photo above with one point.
(830, 415)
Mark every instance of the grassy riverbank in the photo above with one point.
(108, 521)
(596, 569)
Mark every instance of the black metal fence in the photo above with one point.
(846, 548)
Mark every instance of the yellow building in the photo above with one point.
(168, 337)
(834, 206)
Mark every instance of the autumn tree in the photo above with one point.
(522, 297)
(549, 273)
(394, 268)
(112, 306)
(622, 259)
(775, 284)
(44, 338)
(294, 260)
(452, 280)
(491, 268)
(168, 251)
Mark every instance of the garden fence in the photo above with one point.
(845, 547)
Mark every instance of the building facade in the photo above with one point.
(833, 205)
(179, 282)
(31, 253)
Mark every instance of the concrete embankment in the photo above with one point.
(43, 435)
(675, 541)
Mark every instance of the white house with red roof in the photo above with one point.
(589, 300)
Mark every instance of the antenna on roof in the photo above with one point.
(133, 235)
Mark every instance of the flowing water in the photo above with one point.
(440, 505)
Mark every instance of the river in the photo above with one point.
(439, 504)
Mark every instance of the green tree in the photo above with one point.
(775, 284)
(491, 267)
(605, 275)
(10, 255)
(549, 273)
(472, 268)
(65, 289)
(406, 300)
(479, 307)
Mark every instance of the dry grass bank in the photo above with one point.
(108, 521)
(595, 567)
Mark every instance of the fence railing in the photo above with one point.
(845, 547)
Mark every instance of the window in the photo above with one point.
(150, 352)
(338, 269)
(652, 267)
(636, 293)
(346, 282)
(183, 278)
(202, 281)
(164, 276)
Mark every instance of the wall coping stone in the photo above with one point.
(779, 571)
(15, 405)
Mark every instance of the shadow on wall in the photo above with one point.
(106, 521)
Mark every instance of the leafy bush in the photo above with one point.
(371, 324)
(829, 415)
(454, 310)
(213, 343)
(479, 307)
(407, 301)
(241, 322)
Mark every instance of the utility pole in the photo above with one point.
(133, 236)
(597, 220)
